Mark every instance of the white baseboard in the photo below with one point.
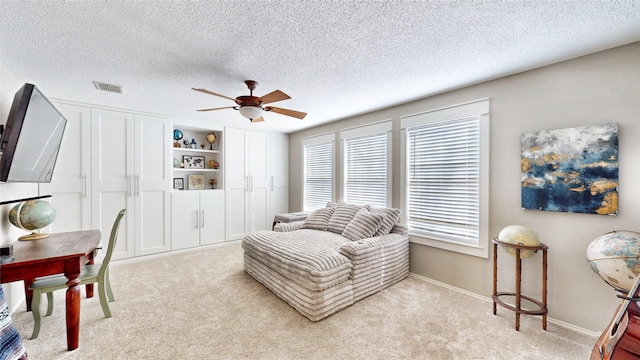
(489, 300)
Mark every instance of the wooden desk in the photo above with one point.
(59, 253)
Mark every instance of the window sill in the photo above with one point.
(466, 249)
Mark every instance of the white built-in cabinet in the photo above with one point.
(247, 182)
(250, 183)
(197, 218)
(198, 206)
(129, 170)
(111, 160)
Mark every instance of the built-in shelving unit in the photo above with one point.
(196, 162)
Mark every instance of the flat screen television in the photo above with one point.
(31, 139)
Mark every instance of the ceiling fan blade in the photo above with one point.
(274, 96)
(212, 93)
(292, 113)
(218, 108)
(258, 119)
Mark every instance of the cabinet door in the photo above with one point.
(185, 219)
(259, 178)
(279, 174)
(70, 185)
(236, 183)
(151, 185)
(112, 171)
(212, 220)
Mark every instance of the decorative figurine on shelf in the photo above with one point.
(186, 143)
(212, 164)
(211, 138)
(177, 135)
(193, 144)
(213, 183)
(202, 146)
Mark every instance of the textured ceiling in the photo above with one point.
(335, 59)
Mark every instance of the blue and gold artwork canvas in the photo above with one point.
(571, 170)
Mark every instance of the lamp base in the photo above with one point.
(33, 236)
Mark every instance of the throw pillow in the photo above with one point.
(318, 219)
(364, 225)
(342, 216)
(392, 216)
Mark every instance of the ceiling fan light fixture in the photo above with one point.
(251, 112)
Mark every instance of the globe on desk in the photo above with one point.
(32, 215)
(614, 256)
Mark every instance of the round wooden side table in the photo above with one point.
(517, 308)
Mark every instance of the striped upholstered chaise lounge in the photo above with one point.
(337, 256)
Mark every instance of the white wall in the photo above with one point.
(594, 89)
(9, 85)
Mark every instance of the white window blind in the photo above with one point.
(366, 169)
(443, 180)
(318, 175)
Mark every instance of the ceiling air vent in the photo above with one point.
(108, 87)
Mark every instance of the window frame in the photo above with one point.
(361, 132)
(479, 109)
(323, 139)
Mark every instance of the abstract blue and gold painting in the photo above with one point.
(571, 170)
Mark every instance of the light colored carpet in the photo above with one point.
(201, 305)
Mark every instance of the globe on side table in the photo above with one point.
(519, 235)
(32, 215)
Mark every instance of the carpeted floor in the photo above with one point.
(201, 305)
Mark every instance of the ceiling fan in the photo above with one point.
(252, 107)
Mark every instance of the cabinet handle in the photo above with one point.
(84, 186)
(197, 220)
(202, 211)
(272, 183)
(129, 185)
(137, 185)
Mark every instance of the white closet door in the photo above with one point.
(259, 182)
(112, 176)
(71, 183)
(151, 185)
(279, 174)
(237, 183)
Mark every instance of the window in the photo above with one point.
(446, 163)
(366, 174)
(318, 171)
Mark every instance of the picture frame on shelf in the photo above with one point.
(178, 183)
(196, 182)
(193, 162)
